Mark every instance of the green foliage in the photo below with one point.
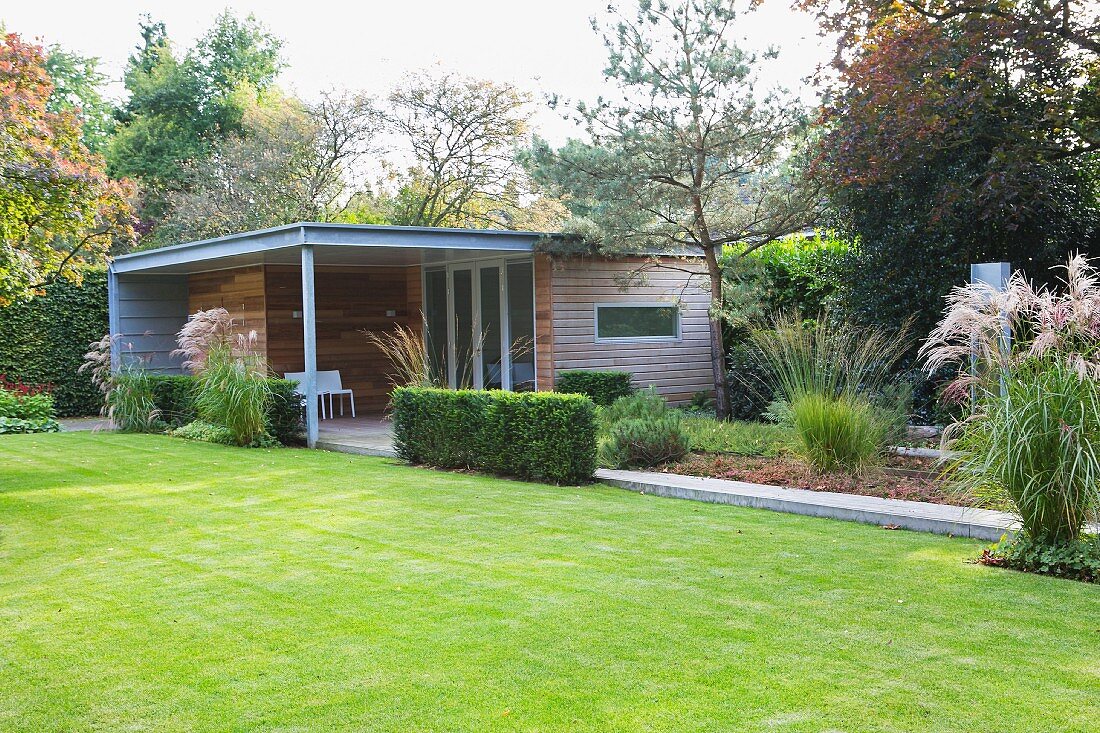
(645, 403)
(1076, 559)
(751, 390)
(284, 412)
(644, 442)
(205, 432)
(26, 406)
(131, 405)
(174, 396)
(532, 435)
(77, 88)
(1038, 445)
(233, 390)
(603, 387)
(178, 107)
(835, 383)
(837, 432)
(739, 438)
(43, 340)
(15, 425)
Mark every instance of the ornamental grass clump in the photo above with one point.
(1033, 436)
(835, 387)
(232, 388)
(128, 400)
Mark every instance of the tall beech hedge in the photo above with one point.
(43, 340)
(540, 436)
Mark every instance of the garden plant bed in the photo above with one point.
(912, 479)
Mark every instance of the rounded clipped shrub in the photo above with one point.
(602, 387)
(645, 442)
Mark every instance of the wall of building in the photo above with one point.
(349, 301)
(677, 369)
(240, 291)
(150, 310)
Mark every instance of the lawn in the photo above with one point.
(153, 584)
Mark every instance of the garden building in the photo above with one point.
(500, 311)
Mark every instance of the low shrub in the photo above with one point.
(32, 406)
(738, 438)
(644, 442)
(602, 387)
(1077, 559)
(14, 425)
(531, 435)
(284, 412)
(640, 405)
(174, 395)
(205, 432)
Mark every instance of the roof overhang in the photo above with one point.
(333, 244)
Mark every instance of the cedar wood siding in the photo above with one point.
(677, 369)
(349, 301)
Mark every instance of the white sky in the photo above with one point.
(541, 46)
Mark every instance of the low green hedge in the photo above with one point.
(603, 387)
(538, 436)
(173, 395)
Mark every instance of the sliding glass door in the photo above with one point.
(480, 320)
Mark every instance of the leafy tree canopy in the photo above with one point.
(687, 155)
(58, 209)
(180, 106)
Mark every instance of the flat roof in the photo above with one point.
(334, 244)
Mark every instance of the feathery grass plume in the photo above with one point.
(231, 376)
(408, 355)
(1064, 323)
(128, 401)
(1033, 438)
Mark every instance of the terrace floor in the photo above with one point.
(370, 435)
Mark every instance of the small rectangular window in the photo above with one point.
(637, 322)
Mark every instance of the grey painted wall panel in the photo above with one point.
(151, 311)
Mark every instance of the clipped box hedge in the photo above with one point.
(602, 387)
(538, 436)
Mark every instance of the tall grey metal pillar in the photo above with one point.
(309, 338)
(114, 317)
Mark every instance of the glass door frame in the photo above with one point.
(474, 267)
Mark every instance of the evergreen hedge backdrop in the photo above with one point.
(43, 340)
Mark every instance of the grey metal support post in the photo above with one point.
(114, 317)
(309, 337)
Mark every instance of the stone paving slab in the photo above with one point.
(913, 515)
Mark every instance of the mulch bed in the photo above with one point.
(913, 479)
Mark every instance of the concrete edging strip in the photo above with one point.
(918, 516)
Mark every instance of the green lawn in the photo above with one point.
(147, 583)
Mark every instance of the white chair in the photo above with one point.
(299, 387)
(329, 383)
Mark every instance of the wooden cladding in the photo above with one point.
(349, 301)
(677, 369)
(544, 324)
(240, 291)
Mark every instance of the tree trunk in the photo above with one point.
(717, 341)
